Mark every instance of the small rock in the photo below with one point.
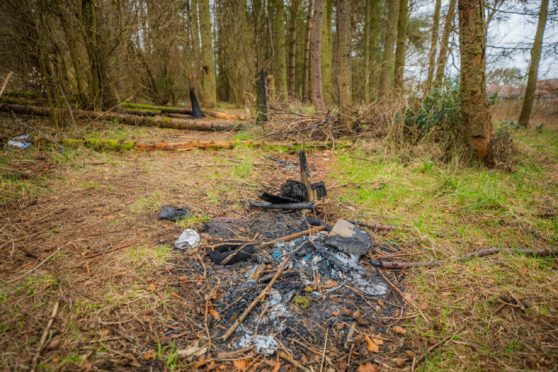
(349, 239)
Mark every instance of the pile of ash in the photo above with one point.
(325, 284)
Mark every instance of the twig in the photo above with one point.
(5, 83)
(295, 235)
(436, 345)
(260, 297)
(36, 267)
(480, 253)
(41, 346)
(405, 298)
(288, 358)
(109, 250)
(324, 352)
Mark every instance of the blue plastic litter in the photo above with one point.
(276, 254)
(20, 142)
(20, 145)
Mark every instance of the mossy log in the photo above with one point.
(154, 121)
(150, 110)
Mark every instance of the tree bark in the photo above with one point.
(474, 105)
(326, 46)
(443, 54)
(534, 67)
(292, 48)
(277, 13)
(401, 50)
(373, 50)
(315, 57)
(386, 74)
(209, 96)
(344, 88)
(306, 65)
(433, 45)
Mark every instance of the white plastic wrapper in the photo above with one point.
(187, 240)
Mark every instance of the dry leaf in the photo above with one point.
(330, 283)
(240, 364)
(378, 341)
(367, 367)
(152, 287)
(399, 362)
(371, 345)
(192, 351)
(277, 366)
(149, 355)
(201, 362)
(398, 330)
(214, 314)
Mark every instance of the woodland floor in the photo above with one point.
(494, 313)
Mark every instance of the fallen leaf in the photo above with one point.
(399, 362)
(152, 287)
(330, 283)
(378, 341)
(258, 272)
(192, 351)
(398, 330)
(356, 314)
(277, 366)
(335, 313)
(367, 367)
(149, 355)
(86, 366)
(214, 314)
(240, 364)
(371, 346)
(201, 362)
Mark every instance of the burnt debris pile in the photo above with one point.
(282, 280)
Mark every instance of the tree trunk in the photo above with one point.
(344, 58)
(386, 74)
(306, 65)
(209, 95)
(433, 46)
(534, 67)
(443, 54)
(315, 57)
(292, 48)
(154, 121)
(474, 105)
(373, 47)
(401, 50)
(279, 59)
(326, 45)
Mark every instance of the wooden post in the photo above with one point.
(196, 109)
(305, 177)
(261, 98)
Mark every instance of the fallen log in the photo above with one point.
(185, 146)
(154, 121)
(480, 253)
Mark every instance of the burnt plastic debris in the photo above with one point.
(294, 192)
(172, 213)
(228, 254)
(349, 239)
